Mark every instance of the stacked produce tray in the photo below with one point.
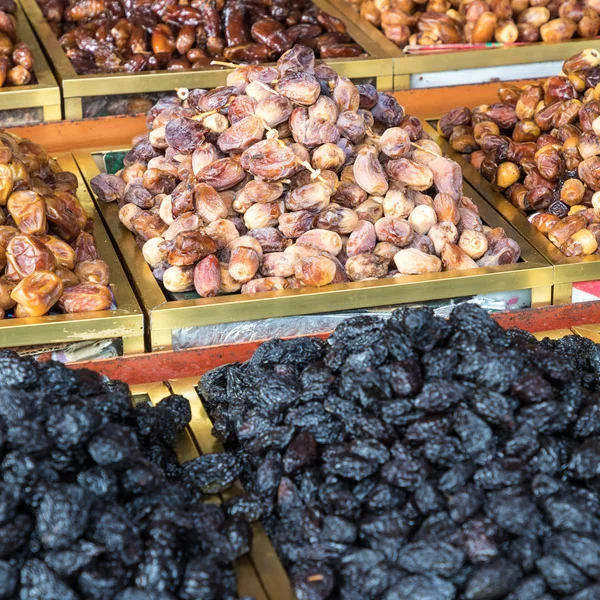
(35, 102)
(80, 90)
(125, 322)
(567, 270)
(167, 312)
(260, 574)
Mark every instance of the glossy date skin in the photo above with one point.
(101, 36)
(45, 242)
(16, 58)
(439, 22)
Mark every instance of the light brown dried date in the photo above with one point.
(270, 161)
(242, 135)
(25, 255)
(294, 224)
(64, 255)
(208, 204)
(315, 271)
(369, 174)
(28, 211)
(337, 218)
(37, 293)
(189, 247)
(207, 277)
(147, 225)
(222, 174)
(93, 271)
(589, 172)
(85, 297)
(366, 266)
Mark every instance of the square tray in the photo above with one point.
(125, 322)
(165, 312)
(567, 270)
(378, 66)
(36, 102)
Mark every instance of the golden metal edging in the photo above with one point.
(126, 321)
(141, 277)
(162, 81)
(43, 93)
(496, 57)
(553, 334)
(348, 296)
(572, 270)
(566, 270)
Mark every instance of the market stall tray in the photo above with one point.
(125, 322)
(567, 270)
(80, 91)
(35, 102)
(260, 574)
(167, 313)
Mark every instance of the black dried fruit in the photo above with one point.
(416, 458)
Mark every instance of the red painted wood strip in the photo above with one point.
(160, 366)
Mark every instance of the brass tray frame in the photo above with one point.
(163, 316)
(260, 574)
(44, 94)
(377, 65)
(407, 65)
(567, 270)
(125, 322)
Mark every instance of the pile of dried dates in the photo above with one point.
(540, 145)
(48, 257)
(421, 459)
(292, 176)
(16, 59)
(106, 36)
(433, 22)
(93, 502)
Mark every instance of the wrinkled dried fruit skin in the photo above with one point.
(208, 204)
(109, 188)
(407, 172)
(269, 161)
(300, 88)
(242, 135)
(37, 293)
(369, 174)
(25, 255)
(315, 271)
